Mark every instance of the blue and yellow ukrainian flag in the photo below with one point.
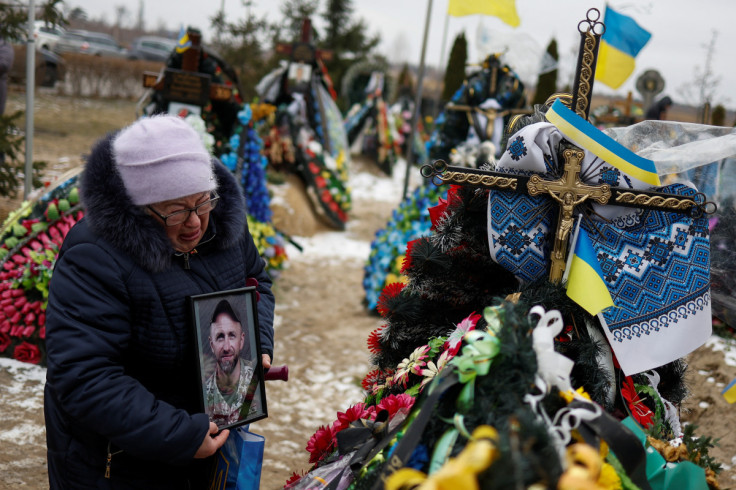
(585, 283)
(729, 393)
(184, 42)
(620, 44)
(588, 137)
(503, 9)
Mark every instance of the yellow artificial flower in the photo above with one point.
(609, 479)
(569, 396)
(399, 262)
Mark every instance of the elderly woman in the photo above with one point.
(164, 221)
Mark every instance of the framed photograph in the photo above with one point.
(299, 74)
(229, 355)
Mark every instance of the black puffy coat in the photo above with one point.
(122, 374)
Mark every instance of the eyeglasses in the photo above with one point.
(179, 217)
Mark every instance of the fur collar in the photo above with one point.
(111, 215)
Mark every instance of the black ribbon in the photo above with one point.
(624, 443)
(361, 437)
(411, 438)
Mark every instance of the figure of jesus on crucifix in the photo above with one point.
(567, 205)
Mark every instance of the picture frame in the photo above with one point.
(230, 376)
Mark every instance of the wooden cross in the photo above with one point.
(304, 51)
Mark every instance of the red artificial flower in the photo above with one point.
(295, 477)
(320, 444)
(374, 340)
(453, 195)
(313, 168)
(406, 264)
(436, 212)
(639, 411)
(320, 181)
(26, 352)
(565, 335)
(371, 378)
(389, 292)
(352, 414)
(4, 341)
(394, 403)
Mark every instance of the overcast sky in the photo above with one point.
(681, 31)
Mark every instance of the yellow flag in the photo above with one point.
(503, 9)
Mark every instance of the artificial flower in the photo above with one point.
(389, 292)
(374, 340)
(412, 365)
(639, 411)
(456, 337)
(432, 369)
(26, 352)
(295, 477)
(393, 404)
(352, 414)
(569, 395)
(320, 444)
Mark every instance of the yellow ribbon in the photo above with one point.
(459, 472)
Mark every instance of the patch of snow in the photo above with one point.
(382, 188)
(332, 247)
(727, 346)
(22, 371)
(25, 434)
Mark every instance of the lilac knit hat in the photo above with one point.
(162, 158)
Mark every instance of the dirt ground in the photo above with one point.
(321, 327)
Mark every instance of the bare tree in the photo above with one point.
(702, 89)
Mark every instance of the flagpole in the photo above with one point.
(30, 93)
(442, 63)
(417, 103)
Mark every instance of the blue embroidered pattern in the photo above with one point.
(658, 271)
(517, 149)
(609, 176)
(519, 238)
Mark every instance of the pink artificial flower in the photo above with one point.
(456, 337)
(393, 404)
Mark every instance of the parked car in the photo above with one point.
(49, 66)
(47, 35)
(88, 42)
(152, 48)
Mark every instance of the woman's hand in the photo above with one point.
(266, 361)
(211, 443)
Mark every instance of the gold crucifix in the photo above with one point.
(568, 191)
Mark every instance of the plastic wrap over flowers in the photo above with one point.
(675, 147)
